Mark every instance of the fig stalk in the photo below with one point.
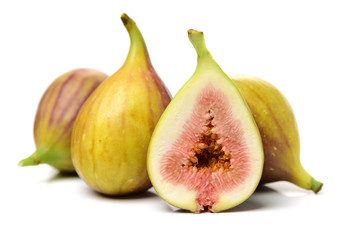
(198, 42)
(43, 155)
(137, 48)
(32, 160)
(304, 180)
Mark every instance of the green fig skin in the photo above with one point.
(56, 114)
(112, 132)
(279, 133)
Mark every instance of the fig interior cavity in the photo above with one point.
(208, 154)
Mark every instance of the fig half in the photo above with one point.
(206, 152)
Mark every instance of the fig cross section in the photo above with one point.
(206, 152)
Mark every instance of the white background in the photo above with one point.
(302, 47)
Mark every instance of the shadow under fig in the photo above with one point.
(134, 196)
(263, 198)
(62, 176)
(147, 194)
(266, 197)
(58, 176)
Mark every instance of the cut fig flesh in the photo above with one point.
(206, 152)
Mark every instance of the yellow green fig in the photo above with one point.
(55, 117)
(279, 133)
(113, 129)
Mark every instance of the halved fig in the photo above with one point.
(206, 152)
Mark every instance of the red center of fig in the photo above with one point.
(208, 153)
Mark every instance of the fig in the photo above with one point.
(206, 153)
(279, 132)
(113, 129)
(56, 114)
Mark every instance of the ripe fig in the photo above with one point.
(56, 114)
(206, 152)
(279, 132)
(113, 129)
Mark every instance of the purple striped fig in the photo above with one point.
(113, 129)
(56, 114)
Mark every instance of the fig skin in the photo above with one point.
(56, 114)
(112, 132)
(279, 133)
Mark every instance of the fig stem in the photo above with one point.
(43, 155)
(197, 40)
(316, 186)
(137, 44)
(304, 180)
(32, 160)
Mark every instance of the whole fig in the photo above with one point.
(113, 129)
(279, 132)
(56, 114)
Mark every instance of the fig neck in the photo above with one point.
(304, 180)
(138, 51)
(204, 58)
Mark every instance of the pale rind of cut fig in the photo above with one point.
(209, 96)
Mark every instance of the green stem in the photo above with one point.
(44, 155)
(137, 44)
(316, 186)
(197, 40)
(204, 58)
(304, 180)
(32, 160)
